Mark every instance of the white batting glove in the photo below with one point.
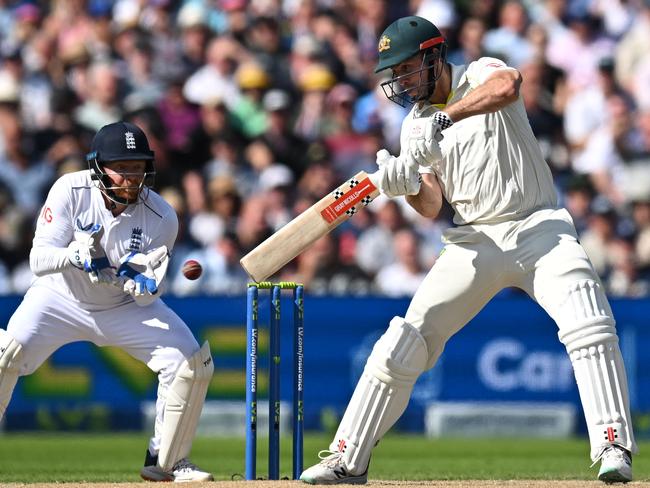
(424, 137)
(86, 253)
(397, 176)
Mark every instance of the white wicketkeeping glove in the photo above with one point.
(143, 273)
(86, 253)
(424, 138)
(397, 176)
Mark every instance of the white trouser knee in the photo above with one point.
(382, 393)
(11, 353)
(588, 331)
(184, 402)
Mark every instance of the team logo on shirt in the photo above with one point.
(136, 239)
(384, 44)
(130, 140)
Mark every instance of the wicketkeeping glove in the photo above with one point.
(424, 137)
(143, 273)
(397, 176)
(86, 253)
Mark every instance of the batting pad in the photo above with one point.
(592, 344)
(10, 355)
(382, 393)
(183, 406)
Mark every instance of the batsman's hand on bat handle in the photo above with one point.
(396, 175)
(86, 253)
(424, 137)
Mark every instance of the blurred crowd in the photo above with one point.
(258, 108)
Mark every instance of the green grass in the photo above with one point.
(31, 458)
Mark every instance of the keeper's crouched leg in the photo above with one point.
(184, 402)
(379, 399)
(11, 353)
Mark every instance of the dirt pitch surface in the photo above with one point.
(371, 484)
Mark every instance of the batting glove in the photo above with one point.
(397, 176)
(86, 253)
(424, 137)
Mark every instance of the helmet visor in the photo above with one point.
(417, 83)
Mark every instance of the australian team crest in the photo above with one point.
(384, 44)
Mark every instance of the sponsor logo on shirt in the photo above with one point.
(86, 228)
(46, 214)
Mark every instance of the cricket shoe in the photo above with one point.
(332, 471)
(182, 471)
(615, 465)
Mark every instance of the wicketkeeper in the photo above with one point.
(468, 138)
(100, 254)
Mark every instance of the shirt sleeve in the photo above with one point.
(168, 231)
(54, 225)
(481, 69)
(54, 232)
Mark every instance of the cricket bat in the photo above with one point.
(319, 219)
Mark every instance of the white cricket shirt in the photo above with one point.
(492, 168)
(75, 203)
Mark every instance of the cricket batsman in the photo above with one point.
(100, 253)
(467, 139)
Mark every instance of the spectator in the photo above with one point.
(470, 40)
(321, 271)
(100, 102)
(600, 235)
(288, 148)
(26, 176)
(508, 42)
(377, 241)
(216, 76)
(248, 112)
(402, 277)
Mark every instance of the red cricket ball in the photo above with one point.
(192, 269)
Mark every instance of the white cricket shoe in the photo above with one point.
(183, 471)
(332, 471)
(615, 465)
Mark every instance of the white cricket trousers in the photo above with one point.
(539, 254)
(155, 335)
(542, 256)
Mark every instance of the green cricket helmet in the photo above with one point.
(402, 40)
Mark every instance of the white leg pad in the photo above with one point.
(382, 393)
(11, 353)
(185, 398)
(589, 334)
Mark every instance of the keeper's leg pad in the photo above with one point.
(11, 352)
(588, 331)
(382, 393)
(185, 398)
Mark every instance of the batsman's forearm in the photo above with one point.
(500, 90)
(428, 201)
(45, 260)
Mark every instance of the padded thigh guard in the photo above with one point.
(588, 331)
(11, 353)
(382, 393)
(185, 398)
